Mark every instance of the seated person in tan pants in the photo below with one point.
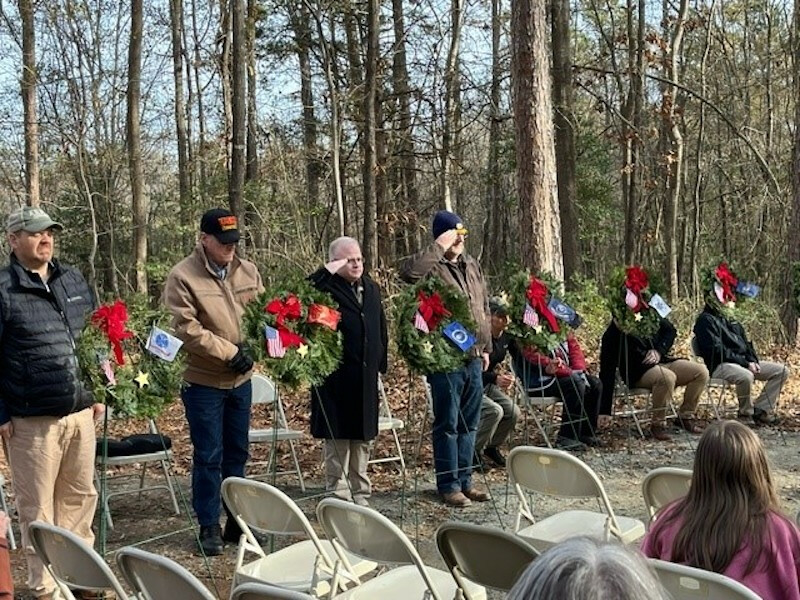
(644, 363)
(722, 343)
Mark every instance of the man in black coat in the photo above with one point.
(344, 410)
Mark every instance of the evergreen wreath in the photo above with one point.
(628, 295)
(117, 366)
(719, 283)
(306, 321)
(438, 305)
(535, 290)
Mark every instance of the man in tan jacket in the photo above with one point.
(206, 293)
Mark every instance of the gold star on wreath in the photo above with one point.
(637, 317)
(302, 350)
(142, 379)
(427, 347)
(537, 329)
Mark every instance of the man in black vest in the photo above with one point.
(344, 410)
(46, 413)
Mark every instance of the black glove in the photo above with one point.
(241, 363)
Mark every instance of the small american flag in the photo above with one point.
(529, 317)
(274, 345)
(420, 323)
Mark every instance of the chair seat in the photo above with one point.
(541, 400)
(116, 461)
(293, 567)
(387, 423)
(267, 435)
(405, 583)
(621, 393)
(570, 523)
(717, 382)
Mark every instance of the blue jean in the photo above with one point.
(219, 421)
(456, 411)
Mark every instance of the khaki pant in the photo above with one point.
(52, 469)
(499, 415)
(662, 379)
(346, 468)
(774, 374)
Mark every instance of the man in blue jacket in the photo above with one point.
(46, 413)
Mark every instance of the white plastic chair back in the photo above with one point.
(264, 591)
(71, 561)
(365, 532)
(264, 390)
(554, 473)
(486, 555)
(663, 485)
(688, 583)
(153, 577)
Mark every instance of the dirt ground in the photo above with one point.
(150, 522)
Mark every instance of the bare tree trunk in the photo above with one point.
(251, 172)
(239, 137)
(405, 134)
(135, 148)
(225, 76)
(369, 243)
(201, 114)
(674, 155)
(28, 79)
(565, 136)
(792, 288)
(533, 129)
(451, 82)
(184, 181)
(302, 35)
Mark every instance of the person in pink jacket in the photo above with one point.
(730, 521)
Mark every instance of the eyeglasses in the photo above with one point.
(356, 260)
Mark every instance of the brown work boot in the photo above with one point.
(477, 495)
(659, 432)
(689, 424)
(457, 499)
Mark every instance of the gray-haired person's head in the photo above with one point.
(584, 568)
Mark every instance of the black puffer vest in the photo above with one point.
(41, 323)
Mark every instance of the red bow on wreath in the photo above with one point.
(432, 309)
(289, 309)
(727, 281)
(324, 315)
(537, 296)
(636, 281)
(111, 319)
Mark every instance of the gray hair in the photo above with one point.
(585, 568)
(340, 242)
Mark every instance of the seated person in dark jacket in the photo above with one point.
(562, 373)
(637, 342)
(499, 413)
(722, 343)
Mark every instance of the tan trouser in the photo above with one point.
(662, 379)
(774, 374)
(52, 469)
(346, 468)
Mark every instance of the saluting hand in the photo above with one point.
(447, 239)
(333, 266)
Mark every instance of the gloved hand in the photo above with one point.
(241, 363)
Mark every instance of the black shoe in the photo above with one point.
(232, 531)
(592, 441)
(763, 417)
(211, 540)
(493, 454)
(566, 443)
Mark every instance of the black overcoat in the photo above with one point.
(346, 405)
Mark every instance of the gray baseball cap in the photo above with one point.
(30, 218)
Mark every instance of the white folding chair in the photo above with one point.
(305, 566)
(535, 402)
(387, 422)
(663, 485)
(12, 541)
(365, 532)
(263, 591)
(715, 384)
(637, 404)
(558, 473)
(484, 555)
(71, 562)
(688, 583)
(265, 392)
(153, 577)
(162, 457)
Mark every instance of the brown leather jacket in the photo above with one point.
(207, 313)
(465, 275)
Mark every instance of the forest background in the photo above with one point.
(571, 136)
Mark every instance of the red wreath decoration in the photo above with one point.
(636, 281)
(537, 297)
(111, 320)
(432, 309)
(727, 280)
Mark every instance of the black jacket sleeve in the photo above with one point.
(665, 337)
(609, 359)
